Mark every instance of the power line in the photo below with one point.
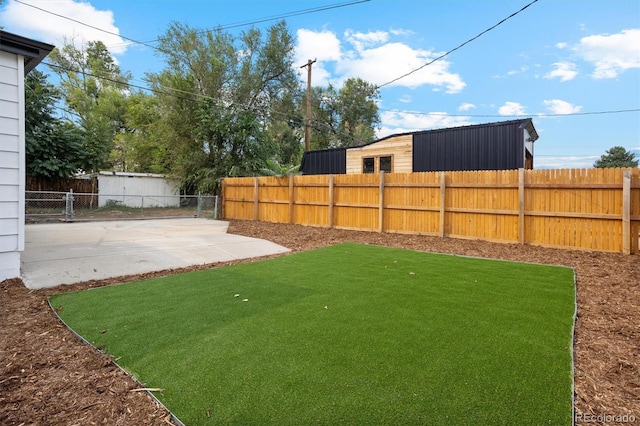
(458, 47)
(444, 114)
(235, 25)
(85, 24)
(176, 93)
(190, 96)
(282, 16)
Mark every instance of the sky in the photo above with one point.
(572, 66)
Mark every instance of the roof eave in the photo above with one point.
(32, 51)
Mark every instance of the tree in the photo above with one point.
(225, 100)
(274, 168)
(616, 157)
(358, 112)
(94, 90)
(141, 148)
(53, 146)
(344, 118)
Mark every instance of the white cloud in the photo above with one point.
(511, 109)
(557, 106)
(372, 57)
(382, 64)
(394, 122)
(32, 22)
(510, 73)
(362, 40)
(611, 54)
(522, 69)
(321, 45)
(466, 107)
(401, 32)
(565, 71)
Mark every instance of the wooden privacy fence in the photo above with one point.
(61, 184)
(590, 209)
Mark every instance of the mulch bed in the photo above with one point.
(48, 376)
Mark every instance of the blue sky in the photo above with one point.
(566, 64)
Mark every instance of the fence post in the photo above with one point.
(223, 195)
(142, 205)
(199, 205)
(256, 194)
(68, 208)
(443, 189)
(216, 216)
(521, 206)
(626, 212)
(291, 198)
(330, 201)
(381, 202)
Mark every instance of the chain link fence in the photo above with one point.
(43, 206)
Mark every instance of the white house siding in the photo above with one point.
(12, 164)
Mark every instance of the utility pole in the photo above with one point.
(307, 126)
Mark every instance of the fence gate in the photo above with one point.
(48, 205)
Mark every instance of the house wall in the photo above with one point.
(129, 190)
(400, 148)
(12, 164)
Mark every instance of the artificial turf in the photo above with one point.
(349, 334)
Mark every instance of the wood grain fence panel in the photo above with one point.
(238, 196)
(273, 198)
(356, 199)
(634, 211)
(311, 200)
(412, 202)
(583, 209)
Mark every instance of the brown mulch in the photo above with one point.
(48, 376)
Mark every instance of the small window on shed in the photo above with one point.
(368, 165)
(385, 164)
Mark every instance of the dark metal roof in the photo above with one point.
(525, 123)
(33, 51)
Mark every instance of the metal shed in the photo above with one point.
(501, 145)
(493, 146)
(324, 162)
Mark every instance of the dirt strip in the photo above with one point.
(48, 377)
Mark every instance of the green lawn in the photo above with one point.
(345, 335)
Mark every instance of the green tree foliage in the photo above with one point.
(94, 90)
(223, 106)
(274, 168)
(616, 157)
(141, 148)
(286, 128)
(53, 146)
(220, 97)
(344, 118)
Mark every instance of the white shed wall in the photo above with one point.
(138, 190)
(12, 164)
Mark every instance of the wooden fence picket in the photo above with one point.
(586, 209)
